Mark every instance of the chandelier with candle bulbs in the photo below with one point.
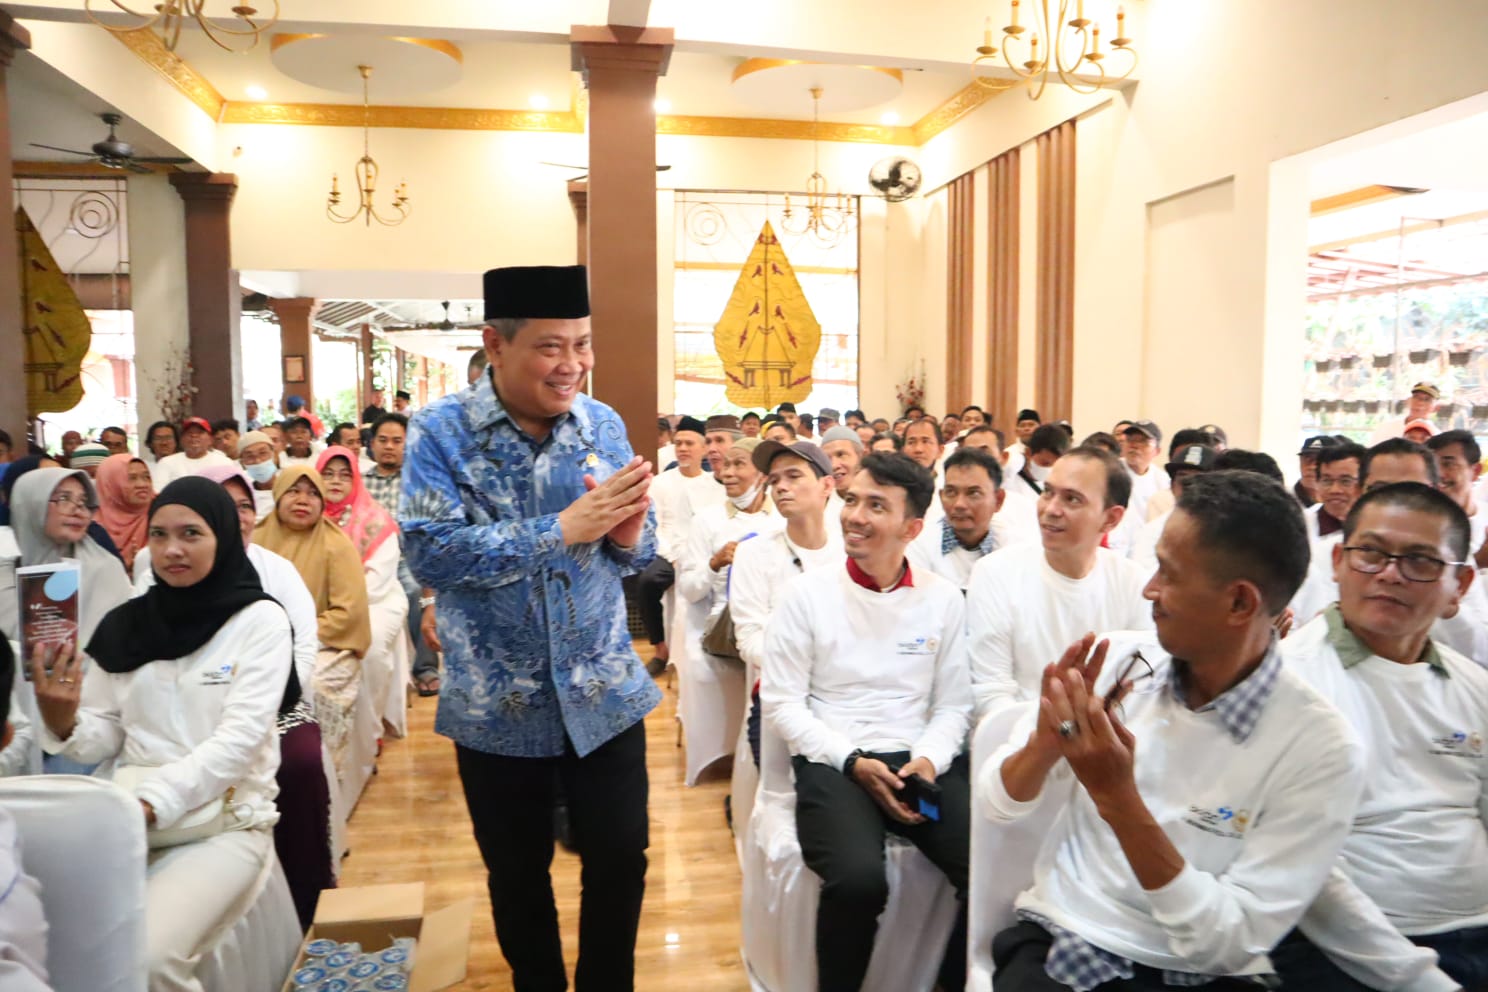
(366, 178)
(827, 216)
(1075, 40)
(240, 33)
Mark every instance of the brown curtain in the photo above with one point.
(1002, 289)
(960, 262)
(1056, 272)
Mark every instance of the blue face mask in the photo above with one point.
(261, 472)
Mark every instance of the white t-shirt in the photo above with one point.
(678, 499)
(1142, 489)
(848, 667)
(1023, 615)
(715, 527)
(762, 568)
(178, 466)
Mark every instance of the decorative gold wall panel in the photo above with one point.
(435, 118)
(152, 51)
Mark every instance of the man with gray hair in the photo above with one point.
(843, 446)
(826, 419)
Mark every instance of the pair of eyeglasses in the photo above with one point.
(81, 502)
(1412, 567)
(1137, 668)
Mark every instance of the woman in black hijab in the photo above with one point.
(188, 682)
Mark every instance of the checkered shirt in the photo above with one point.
(384, 488)
(948, 542)
(1076, 962)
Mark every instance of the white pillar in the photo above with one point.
(157, 277)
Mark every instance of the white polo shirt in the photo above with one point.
(762, 568)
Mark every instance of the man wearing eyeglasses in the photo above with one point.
(1202, 807)
(1407, 907)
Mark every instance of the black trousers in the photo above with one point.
(511, 809)
(653, 582)
(841, 832)
(1019, 952)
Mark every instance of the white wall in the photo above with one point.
(157, 269)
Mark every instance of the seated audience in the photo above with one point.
(331, 568)
(924, 446)
(12, 473)
(162, 440)
(801, 489)
(475, 369)
(196, 454)
(250, 412)
(967, 530)
(258, 461)
(1205, 790)
(1100, 439)
(1306, 488)
(749, 424)
(1189, 460)
(183, 690)
(295, 409)
(124, 494)
(779, 431)
(302, 837)
(299, 443)
(843, 446)
(87, 457)
(1412, 880)
(1337, 487)
(1459, 460)
(865, 680)
(1028, 602)
(1164, 499)
(70, 442)
(1240, 460)
(826, 419)
(225, 437)
(885, 444)
(678, 494)
(23, 926)
(115, 440)
(1141, 443)
(973, 416)
(1028, 421)
(1045, 446)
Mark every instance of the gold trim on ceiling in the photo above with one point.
(751, 66)
(1354, 198)
(972, 96)
(425, 118)
(439, 45)
(754, 127)
(152, 51)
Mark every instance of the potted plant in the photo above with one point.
(1459, 357)
(1323, 364)
(1347, 362)
(1383, 361)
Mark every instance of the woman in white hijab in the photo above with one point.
(50, 510)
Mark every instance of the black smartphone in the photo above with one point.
(922, 796)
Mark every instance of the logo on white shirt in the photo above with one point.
(920, 645)
(1222, 821)
(221, 675)
(1458, 744)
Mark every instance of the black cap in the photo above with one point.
(537, 292)
(690, 424)
(765, 453)
(1199, 457)
(1029, 415)
(1317, 443)
(1145, 427)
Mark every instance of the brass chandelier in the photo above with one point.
(1077, 59)
(827, 216)
(366, 178)
(239, 34)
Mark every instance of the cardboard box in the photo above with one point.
(375, 915)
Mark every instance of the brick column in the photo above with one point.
(296, 334)
(214, 300)
(621, 66)
(13, 419)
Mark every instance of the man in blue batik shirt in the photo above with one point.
(523, 507)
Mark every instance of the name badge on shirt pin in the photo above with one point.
(592, 461)
(221, 675)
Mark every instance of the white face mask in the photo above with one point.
(1038, 473)
(261, 472)
(745, 501)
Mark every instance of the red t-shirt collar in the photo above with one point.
(862, 578)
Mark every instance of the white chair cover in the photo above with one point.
(780, 898)
(710, 698)
(361, 751)
(395, 702)
(385, 669)
(257, 951)
(83, 840)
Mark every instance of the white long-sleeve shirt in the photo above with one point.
(762, 568)
(1419, 845)
(711, 530)
(1258, 821)
(678, 499)
(1023, 615)
(281, 580)
(206, 722)
(1143, 488)
(848, 667)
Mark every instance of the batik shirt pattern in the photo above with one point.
(536, 644)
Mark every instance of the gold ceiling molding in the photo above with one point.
(751, 66)
(447, 48)
(755, 127)
(148, 47)
(972, 96)
(422, 118)
(1354, 198)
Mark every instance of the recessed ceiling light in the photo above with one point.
(257, 93)
(889, 119)
(663, 105)
(538, 101)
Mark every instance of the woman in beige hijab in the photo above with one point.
(332, 570)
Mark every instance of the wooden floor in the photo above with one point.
(411, 825)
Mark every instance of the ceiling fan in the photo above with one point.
(113, 153)
(584, 169)
(444, 325)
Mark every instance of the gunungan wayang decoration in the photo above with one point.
(56, 330)
(767, 337)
